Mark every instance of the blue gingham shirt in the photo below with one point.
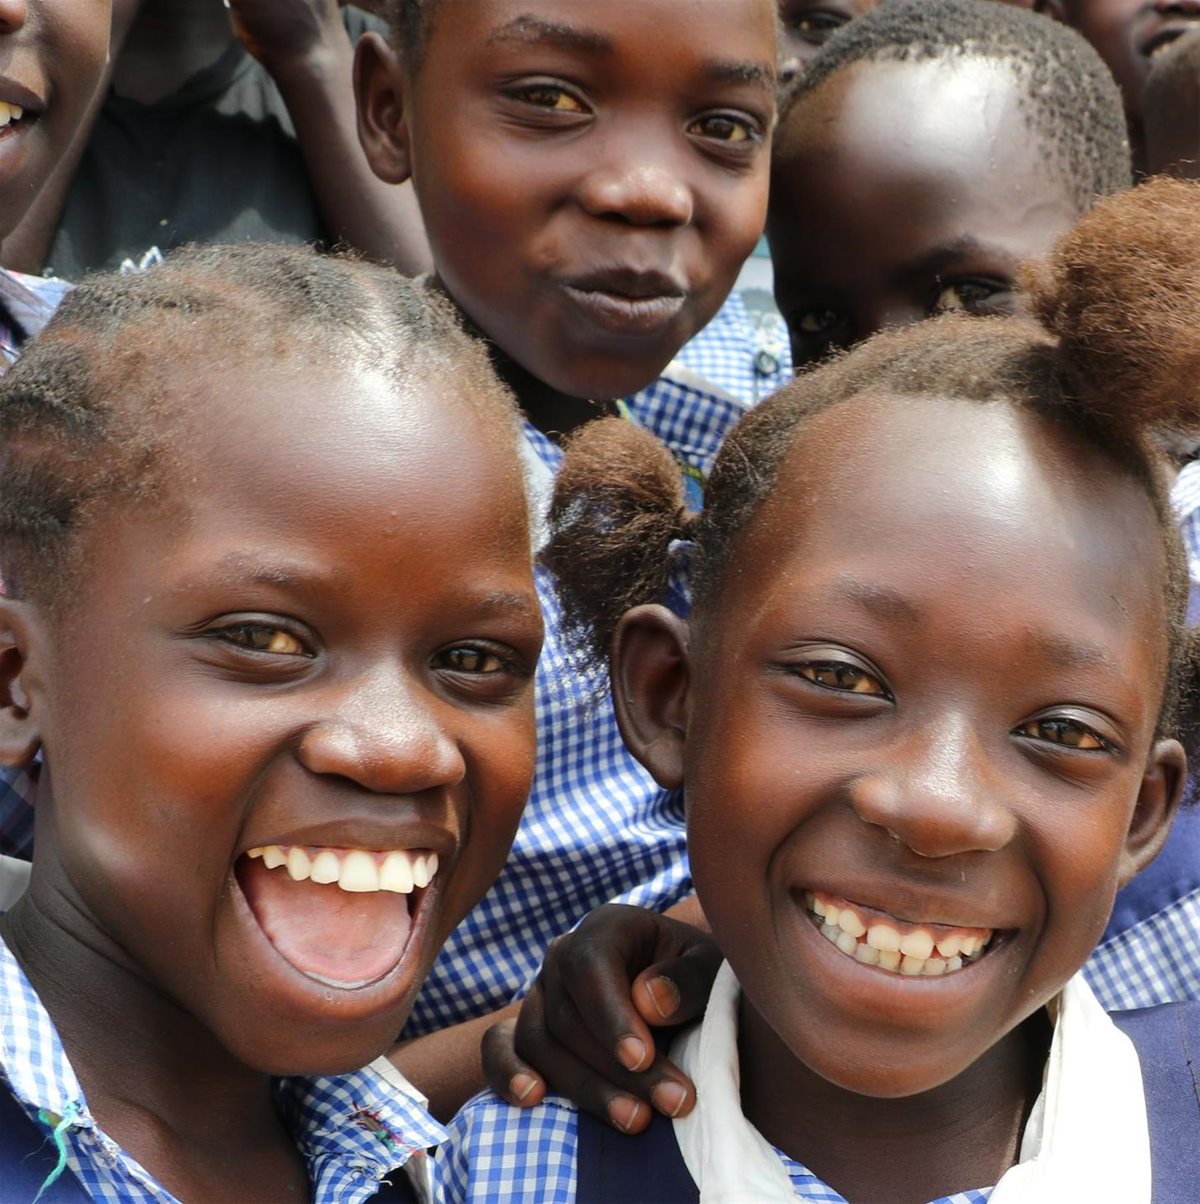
(743, 351)
(354, 1130)
(597, 828)
(498, 1154)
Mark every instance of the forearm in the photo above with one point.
(446, 1065)
(380, 220)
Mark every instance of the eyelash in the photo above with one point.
(241, 636)
(535, 94)
(811, 670)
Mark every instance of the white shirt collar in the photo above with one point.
(1092, 1100)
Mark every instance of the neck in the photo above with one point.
(158, 1081)
(168, 43)
(554, 413)
(964, 1134)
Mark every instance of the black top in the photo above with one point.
(216, 161)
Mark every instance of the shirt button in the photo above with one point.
(765, 364)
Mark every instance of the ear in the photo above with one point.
(1051, 8)
(1158, 800)
(380, 83)
(650, 676)
(20, 731)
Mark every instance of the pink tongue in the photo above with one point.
(326, 932)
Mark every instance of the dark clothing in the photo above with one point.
(217, 161)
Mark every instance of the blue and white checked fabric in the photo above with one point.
(27, 303)
(597, 828)
(1156, 961)
(1185, 499)
(745, 353)
(498, 1154)
(353, 1130)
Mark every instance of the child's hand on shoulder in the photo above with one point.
(586, 1024)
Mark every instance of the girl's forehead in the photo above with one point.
(972, 492)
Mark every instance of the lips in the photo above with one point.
(1167, 35)
(627, 301)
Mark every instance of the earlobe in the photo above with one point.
(379, 85)
(20, 733)
(1158, 801)
(650, 678)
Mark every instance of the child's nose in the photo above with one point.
(643, 193)
(938, 794)
(386, 735)
(13, 14)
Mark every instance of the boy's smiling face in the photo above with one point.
(591, 176)
(296, 652)
(933, 707)
(52, 56)
(903, 189)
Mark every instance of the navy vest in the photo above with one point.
(27, 1158)
(649, 1169)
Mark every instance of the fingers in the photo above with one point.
(676, 991)
(585, 1029)
(507, 1074)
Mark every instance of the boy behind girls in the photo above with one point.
(590, 190)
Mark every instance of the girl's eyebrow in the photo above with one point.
(528, 28)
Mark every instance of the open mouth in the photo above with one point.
(893, 945)
(343, 917)
(13, 116)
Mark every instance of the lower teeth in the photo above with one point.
(912, 967)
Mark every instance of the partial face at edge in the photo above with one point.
(902, 190)
(935, 709)
(331, 656)
(52, 56)
(590, 188)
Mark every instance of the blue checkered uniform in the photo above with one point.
(743, 351)
(503, 1155)
(353, 1130)
(597, 828)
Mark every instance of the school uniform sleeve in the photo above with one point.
(498, 1154)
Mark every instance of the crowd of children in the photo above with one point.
(366, 635)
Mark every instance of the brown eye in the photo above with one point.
(972, 297)
(547, 96)
(1065, 732)
(261, 637)
(472, 660)
(838, 675)
(723, 127)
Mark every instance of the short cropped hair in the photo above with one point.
(91, 414)
(1072, 103)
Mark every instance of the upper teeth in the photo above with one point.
(10, 112)
(356, 870)
(879, 943)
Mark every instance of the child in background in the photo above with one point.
(1012, 130)
(589, 191)
(1171, 109)
(1128, 35)
(55, 54)
(271, 620)
(907, 824)
(221, 126)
